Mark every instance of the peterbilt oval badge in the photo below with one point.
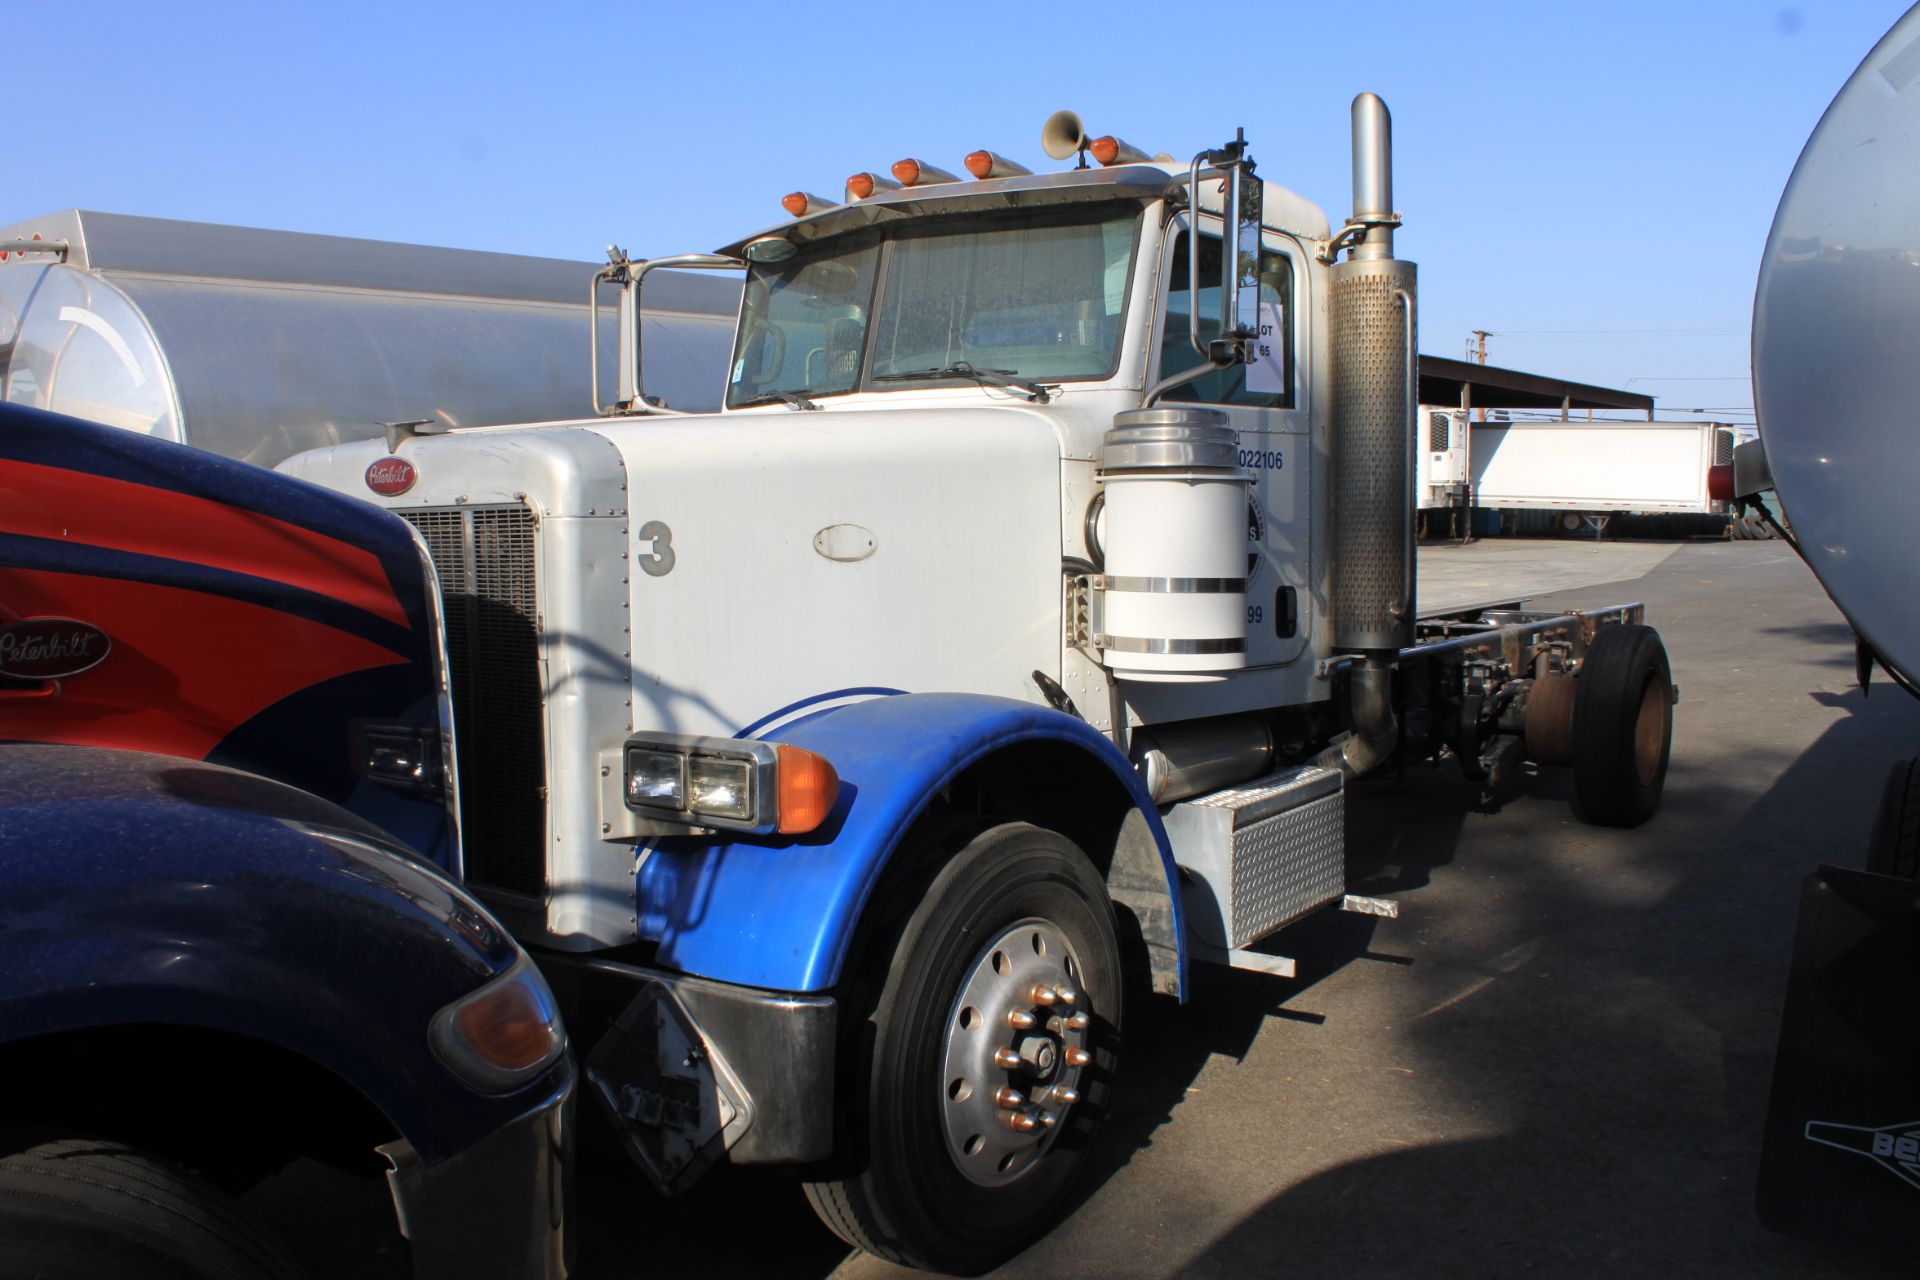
(50, 648)
(390, 477)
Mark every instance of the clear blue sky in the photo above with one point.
(1592, 182)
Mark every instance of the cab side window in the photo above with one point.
(1227, 386)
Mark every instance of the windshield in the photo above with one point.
(1037, 296)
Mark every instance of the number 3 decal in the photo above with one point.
(658, 562)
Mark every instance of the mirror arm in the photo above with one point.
(1181, 379)
(615, 272)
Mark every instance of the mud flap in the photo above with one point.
(671, 1096)
(1841, 1158)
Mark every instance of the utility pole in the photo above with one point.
(1478, 348)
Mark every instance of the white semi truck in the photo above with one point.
(257, 344)
(1017, 624)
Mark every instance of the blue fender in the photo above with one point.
(781, 913)
(141, 889)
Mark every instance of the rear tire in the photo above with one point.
(1894, 847)
(1622, 726)
(937, 1176)
(80, 1209)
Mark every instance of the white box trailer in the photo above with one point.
(259, 344)
(1598, 469)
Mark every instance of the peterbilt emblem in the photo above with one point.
(1894, 1147)
(390, 477)
(50, 648)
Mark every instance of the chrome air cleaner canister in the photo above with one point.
(1175, 543)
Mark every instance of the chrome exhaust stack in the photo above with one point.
(1375, 388)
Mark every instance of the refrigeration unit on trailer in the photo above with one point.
(1442, 478)
(257, 344)
(1021, 617)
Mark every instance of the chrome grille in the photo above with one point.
(485, 557)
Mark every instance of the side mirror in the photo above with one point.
(1240, 299)
(1240, 215)
(631, 396)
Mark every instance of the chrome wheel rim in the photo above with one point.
(1018, 1037)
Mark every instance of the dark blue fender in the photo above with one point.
(780, 914)
(142, 889)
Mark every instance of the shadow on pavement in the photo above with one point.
(1633, 1079)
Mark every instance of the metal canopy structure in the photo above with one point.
(1484, 386)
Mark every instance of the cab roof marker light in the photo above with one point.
(918, 173)
(864, 185)
(1111, 151)
(991, 164)
(802, 203)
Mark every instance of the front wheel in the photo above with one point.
(82, 1209)
(991, 1052)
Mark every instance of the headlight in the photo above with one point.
(726, 783)
(502, 1035)
(720, 788)
(656, 779)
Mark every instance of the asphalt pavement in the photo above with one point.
(1554, 1062)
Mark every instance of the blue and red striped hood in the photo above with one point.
(249, 619)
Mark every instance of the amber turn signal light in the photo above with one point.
(502, 1035)
(808, 787)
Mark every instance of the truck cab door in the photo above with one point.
(1267, 407)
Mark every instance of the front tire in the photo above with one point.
(82, 1209)
(957, 1159)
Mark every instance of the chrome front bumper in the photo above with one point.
(691, 1072)
(498, 1209)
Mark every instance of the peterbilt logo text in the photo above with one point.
(50, 648)
(1894, 1147)
(391, 477)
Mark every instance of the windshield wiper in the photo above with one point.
(791, 399)
(961, 369)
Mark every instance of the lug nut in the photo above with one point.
(1006, 1059)
(1020, 1020)
(1043, 995)
(1076, 1056)
(1022, 1121)
(1065, 1097)
(1060, 1025)
(1008, 1099)
(1066, 995)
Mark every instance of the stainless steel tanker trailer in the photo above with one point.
(258, 344)
(1836, 314)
